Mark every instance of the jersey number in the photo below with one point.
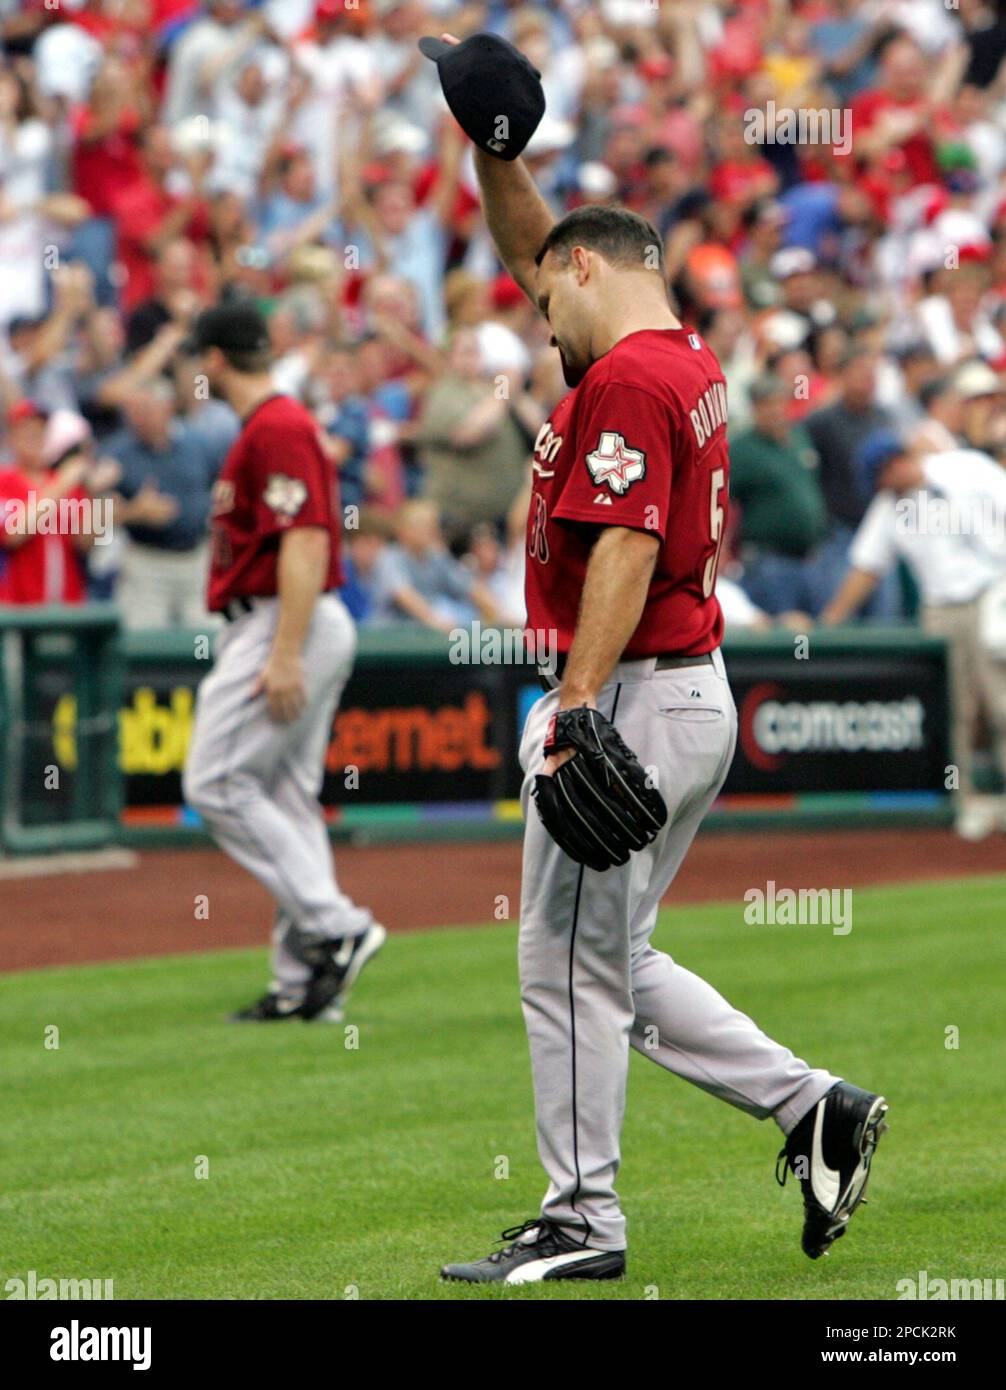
(537, 542)
(715, 532)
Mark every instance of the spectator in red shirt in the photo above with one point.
(624, 151)
(112, 24)
(149, 216)
(41, 558)
(742, 175)
(896, 115)
(105, 159)
(106, 135)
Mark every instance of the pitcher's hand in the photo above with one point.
(281, 681)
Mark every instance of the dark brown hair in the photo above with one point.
(622, 237)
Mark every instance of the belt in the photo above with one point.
(669, 661)
(237, 608)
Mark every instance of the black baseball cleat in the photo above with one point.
(830, 1151)
(335, 967)
(270, 1008)
(539, 1251)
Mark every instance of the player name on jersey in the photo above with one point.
(709, 413)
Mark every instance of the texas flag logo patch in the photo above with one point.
(284, 496)
(615, 464)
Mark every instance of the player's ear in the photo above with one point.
(580, 259)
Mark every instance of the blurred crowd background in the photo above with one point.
(157, 154)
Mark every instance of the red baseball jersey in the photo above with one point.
(276, 476)
(640, 442)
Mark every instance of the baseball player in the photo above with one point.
(264, 713)
(633, 736)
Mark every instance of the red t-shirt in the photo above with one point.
(103, 168)
(641, 443)
(465, 201)
(920, 158)
(139, 211)
(276, 476)
(46, 568)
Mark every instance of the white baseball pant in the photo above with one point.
(591, 984)
(256, 782)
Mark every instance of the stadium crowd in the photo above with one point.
(828, 178)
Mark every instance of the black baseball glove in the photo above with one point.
(597, 807)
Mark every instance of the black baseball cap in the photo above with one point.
(234, 326)
(485, 78)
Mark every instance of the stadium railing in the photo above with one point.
(60, 695)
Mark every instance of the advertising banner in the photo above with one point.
(416, 728)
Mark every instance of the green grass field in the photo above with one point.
(337, 1172)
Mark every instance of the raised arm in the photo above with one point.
(516, 214)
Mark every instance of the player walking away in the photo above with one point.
(627, 517)
(264, 714)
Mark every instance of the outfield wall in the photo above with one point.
(840, 727)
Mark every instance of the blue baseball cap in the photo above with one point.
(874, 455)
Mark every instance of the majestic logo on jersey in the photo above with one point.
(614, 463)
(285, 496)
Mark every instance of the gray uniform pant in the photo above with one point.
(591, 984)
(256, 782)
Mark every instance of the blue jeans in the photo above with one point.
(94, 243)
(885, 604)
(778, 583)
